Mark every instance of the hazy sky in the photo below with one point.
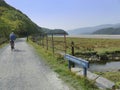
(69, 14)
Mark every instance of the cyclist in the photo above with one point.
(12, 38)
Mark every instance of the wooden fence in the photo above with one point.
(50, 43)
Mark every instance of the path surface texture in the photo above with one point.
(22, 69)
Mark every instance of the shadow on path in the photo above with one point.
(18, 50)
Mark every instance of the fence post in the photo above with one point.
(72, 50)
(52, 44)
(65, 42)
(47, 41)
(43, 40)
(27, 35)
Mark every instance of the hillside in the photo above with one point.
(109, 31)
(12, 19)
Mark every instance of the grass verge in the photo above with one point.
(2, 45)
(59, 65)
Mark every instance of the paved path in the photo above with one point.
(22, 69)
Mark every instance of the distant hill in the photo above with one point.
(109, 31)
(54, 31)
(91, 30)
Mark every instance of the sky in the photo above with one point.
(69, 14)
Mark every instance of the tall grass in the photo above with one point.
(85, 44)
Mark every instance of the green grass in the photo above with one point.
(61, 67)
(99, 45)
(3, 44)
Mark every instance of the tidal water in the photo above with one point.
(96, 36)
(103, 67)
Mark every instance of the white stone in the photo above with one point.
(80, 73)
(104, 83)
(90, 76)
(75, 70)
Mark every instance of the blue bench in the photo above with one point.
(79, 61)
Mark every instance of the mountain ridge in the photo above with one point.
(91, 30)
(108, 31)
